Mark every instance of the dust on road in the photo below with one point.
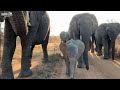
(99, 69)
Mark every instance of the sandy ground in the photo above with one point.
(99, 69)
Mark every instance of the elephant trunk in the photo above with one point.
(19, 23)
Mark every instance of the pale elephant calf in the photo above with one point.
(71, 50)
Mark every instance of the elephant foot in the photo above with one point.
(99, 54)
(80, 66)
(72, 78)
(68, 74)
(25, 74)
(113, 58)
(7, 76)
(87, 67)
(106, 58)
(45, 60)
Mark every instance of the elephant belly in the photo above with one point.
(38, 40)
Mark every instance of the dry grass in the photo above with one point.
(41, 71)
(46, 70)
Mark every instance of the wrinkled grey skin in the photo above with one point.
(95, 26)
(106, 35)
(71, 50)
(82, 27)
(37, 33)
(64, 36)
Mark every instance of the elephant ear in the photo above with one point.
(108, 32)
(107, 28)
(33, 18)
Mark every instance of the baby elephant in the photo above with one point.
(64, 36)
(71, 50)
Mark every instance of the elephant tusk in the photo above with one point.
(91, 38)
(80, 37)
(110, 38)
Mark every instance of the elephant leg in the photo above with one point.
(99, 50)
(26, 42)
(8, 51)
(67, 67)
(85, 58)
(45, 52)
(44, 47)
(113, 51)
(25, 61)
(109, 48)
(92, 44)
(80, 62)
(95, 44)
(9, 48)
(32, 47)
(72, 69)
(105, 44)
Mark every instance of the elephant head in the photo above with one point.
(17, 20)
(64, 36)
(113, 29)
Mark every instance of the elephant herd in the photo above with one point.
(33, 28)
(84, 28)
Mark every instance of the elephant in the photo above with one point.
(82, 27)
(71, 50)
(105, 36)
(64, 36)
(37, 32)
(95, 26)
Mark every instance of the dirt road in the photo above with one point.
(99, 69)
